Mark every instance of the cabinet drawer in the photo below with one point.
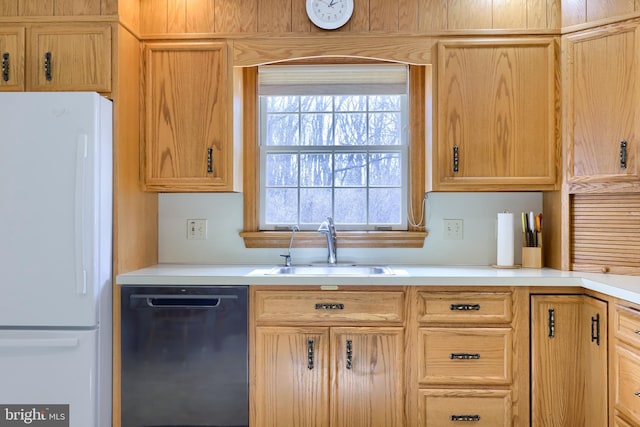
(465, 355)
(329, 306)
(481, 408)
(627, 382)
(464, 307)
(627, 325)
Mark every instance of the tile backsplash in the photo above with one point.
(223, 212)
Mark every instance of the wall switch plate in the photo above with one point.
(453, 229)
(196, 229)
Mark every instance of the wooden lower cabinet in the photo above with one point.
(568, 361)
(327, 372)
(480, 408)
(626, 366)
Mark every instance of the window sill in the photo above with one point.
(346, 239)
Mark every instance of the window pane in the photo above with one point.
(282, 129)
(282, 104)
(351, 206)
(316, 104)
(351, 129)
(282, 170)
(351, 170)
(351, 103)
(385, 128)
(281, 206)
(315, 205)
(385, 206)
(385, 169)
(315, 170)
(385, 103)
(317, 129)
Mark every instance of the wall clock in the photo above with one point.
(329, 14)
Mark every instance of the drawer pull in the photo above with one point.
(456, 159)
(637, 393)
(349, 354)
(623, 154)
(464, 307)
(552, 323)
(310, 354)
(209, 160)
(464, 356)
(464, 417)
(637, 331)
(326, 306)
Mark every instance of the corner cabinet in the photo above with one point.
(497, 115)
(328, 358)
(188, 117)
(56, 57)
(602, 92)
(568, 353)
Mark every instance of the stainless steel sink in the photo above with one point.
(331, 270)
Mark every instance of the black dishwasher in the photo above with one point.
(184, 356)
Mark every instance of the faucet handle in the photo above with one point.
(287, 260)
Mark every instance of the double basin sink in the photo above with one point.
(331, 270)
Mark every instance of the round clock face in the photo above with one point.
(329, 14)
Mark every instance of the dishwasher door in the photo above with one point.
(184, 356)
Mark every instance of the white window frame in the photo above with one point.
(344, 79)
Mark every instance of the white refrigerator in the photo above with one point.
(55, 259)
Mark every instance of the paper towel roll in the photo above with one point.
(505, 239)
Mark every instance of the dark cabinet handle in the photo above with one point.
(595, 329)
(209, 160)
(349, 354)
(47, 66)
(310, 354)
(464, 417)
(637, 393)
(464, 307)
(5, 66)
(329, 306)
(552, 323)
(623, 154)
(464, 356)
(456, 158)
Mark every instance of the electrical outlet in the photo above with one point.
(453, 229)
(196, 229)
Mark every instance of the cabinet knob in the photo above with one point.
(604, 269)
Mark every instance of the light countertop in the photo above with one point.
(619, 286)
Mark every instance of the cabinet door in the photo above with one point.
(186, 117)
(291, 377)
(367, 369)
(602, 98)
(12, 58)
(496, 115)
(69, 57)
(569, 353)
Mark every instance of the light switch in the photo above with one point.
(196, 229)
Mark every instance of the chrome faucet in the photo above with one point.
(287, 257)
(328, 229)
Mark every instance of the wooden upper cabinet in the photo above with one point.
(12, 51)
(496, 115)
(69, 57)
(603, 101)
(60, 57)
(187, 114)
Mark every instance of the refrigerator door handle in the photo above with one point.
(39, 343)
(81, 273)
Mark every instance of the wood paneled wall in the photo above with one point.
(395, 16)
(59, 7)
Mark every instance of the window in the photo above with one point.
(333, 142)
